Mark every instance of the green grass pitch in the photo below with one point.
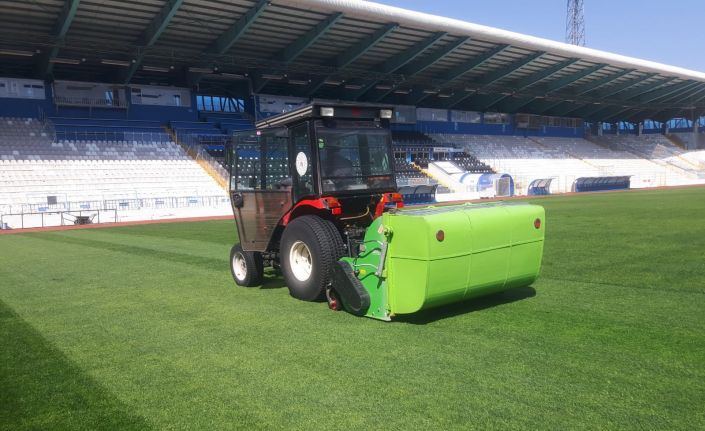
(141, 327)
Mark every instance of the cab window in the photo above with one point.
(259, 161)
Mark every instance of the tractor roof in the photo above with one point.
(340, 110)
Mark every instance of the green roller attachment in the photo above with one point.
(418, 258)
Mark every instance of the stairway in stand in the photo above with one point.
(204, 160)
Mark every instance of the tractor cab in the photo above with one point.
(331, 160)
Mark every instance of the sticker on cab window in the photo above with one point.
(301, 163)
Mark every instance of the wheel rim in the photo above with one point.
(300, 261)
(239, 266)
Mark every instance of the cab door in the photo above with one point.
(260, 185)
(303, 163)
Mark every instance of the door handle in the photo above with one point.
(238, 200)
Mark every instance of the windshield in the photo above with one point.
(354, 157)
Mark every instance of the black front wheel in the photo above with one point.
(246, 267)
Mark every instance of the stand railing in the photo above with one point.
(118, 135)
(120, 204)
(57, 218)
(195, 146)
(214, 168)
(89, 102)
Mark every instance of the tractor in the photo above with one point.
(315, 197)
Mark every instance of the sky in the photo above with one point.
(669, 32)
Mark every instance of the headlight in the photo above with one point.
(327, 111)
(385, 113)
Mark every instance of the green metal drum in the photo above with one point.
(439, 255)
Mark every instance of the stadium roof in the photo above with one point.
(339, 49)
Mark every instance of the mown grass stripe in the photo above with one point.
(172, 256)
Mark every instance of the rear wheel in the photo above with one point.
(246, 267)
(309, 247)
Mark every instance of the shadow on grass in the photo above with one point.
(42, 389)
(272, 280)
(469, 306)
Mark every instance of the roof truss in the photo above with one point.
(594, 85)
(494, 76)
(353, 53)
(399, 60)
(419, 66)
(152, 32)
(291, 52)
(554, 86)
(536, 77)
(295, 49)
(226, 40)
(657, 94)
(68, 13)
(622, 88)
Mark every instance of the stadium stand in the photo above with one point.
(228, 122)
(524, 159)
(23, 138)
(470, 163)
(658, 149)
(609, 162)
(39, 173)
(697, 158)
(651, 159)
(196, 128)
(415, 195)
(412, 151)
(212, 132)
(414, 138)
(102, 129)
(249, 166)
(689, 140)
(407, 173)
(464, 161)
(423, 149)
